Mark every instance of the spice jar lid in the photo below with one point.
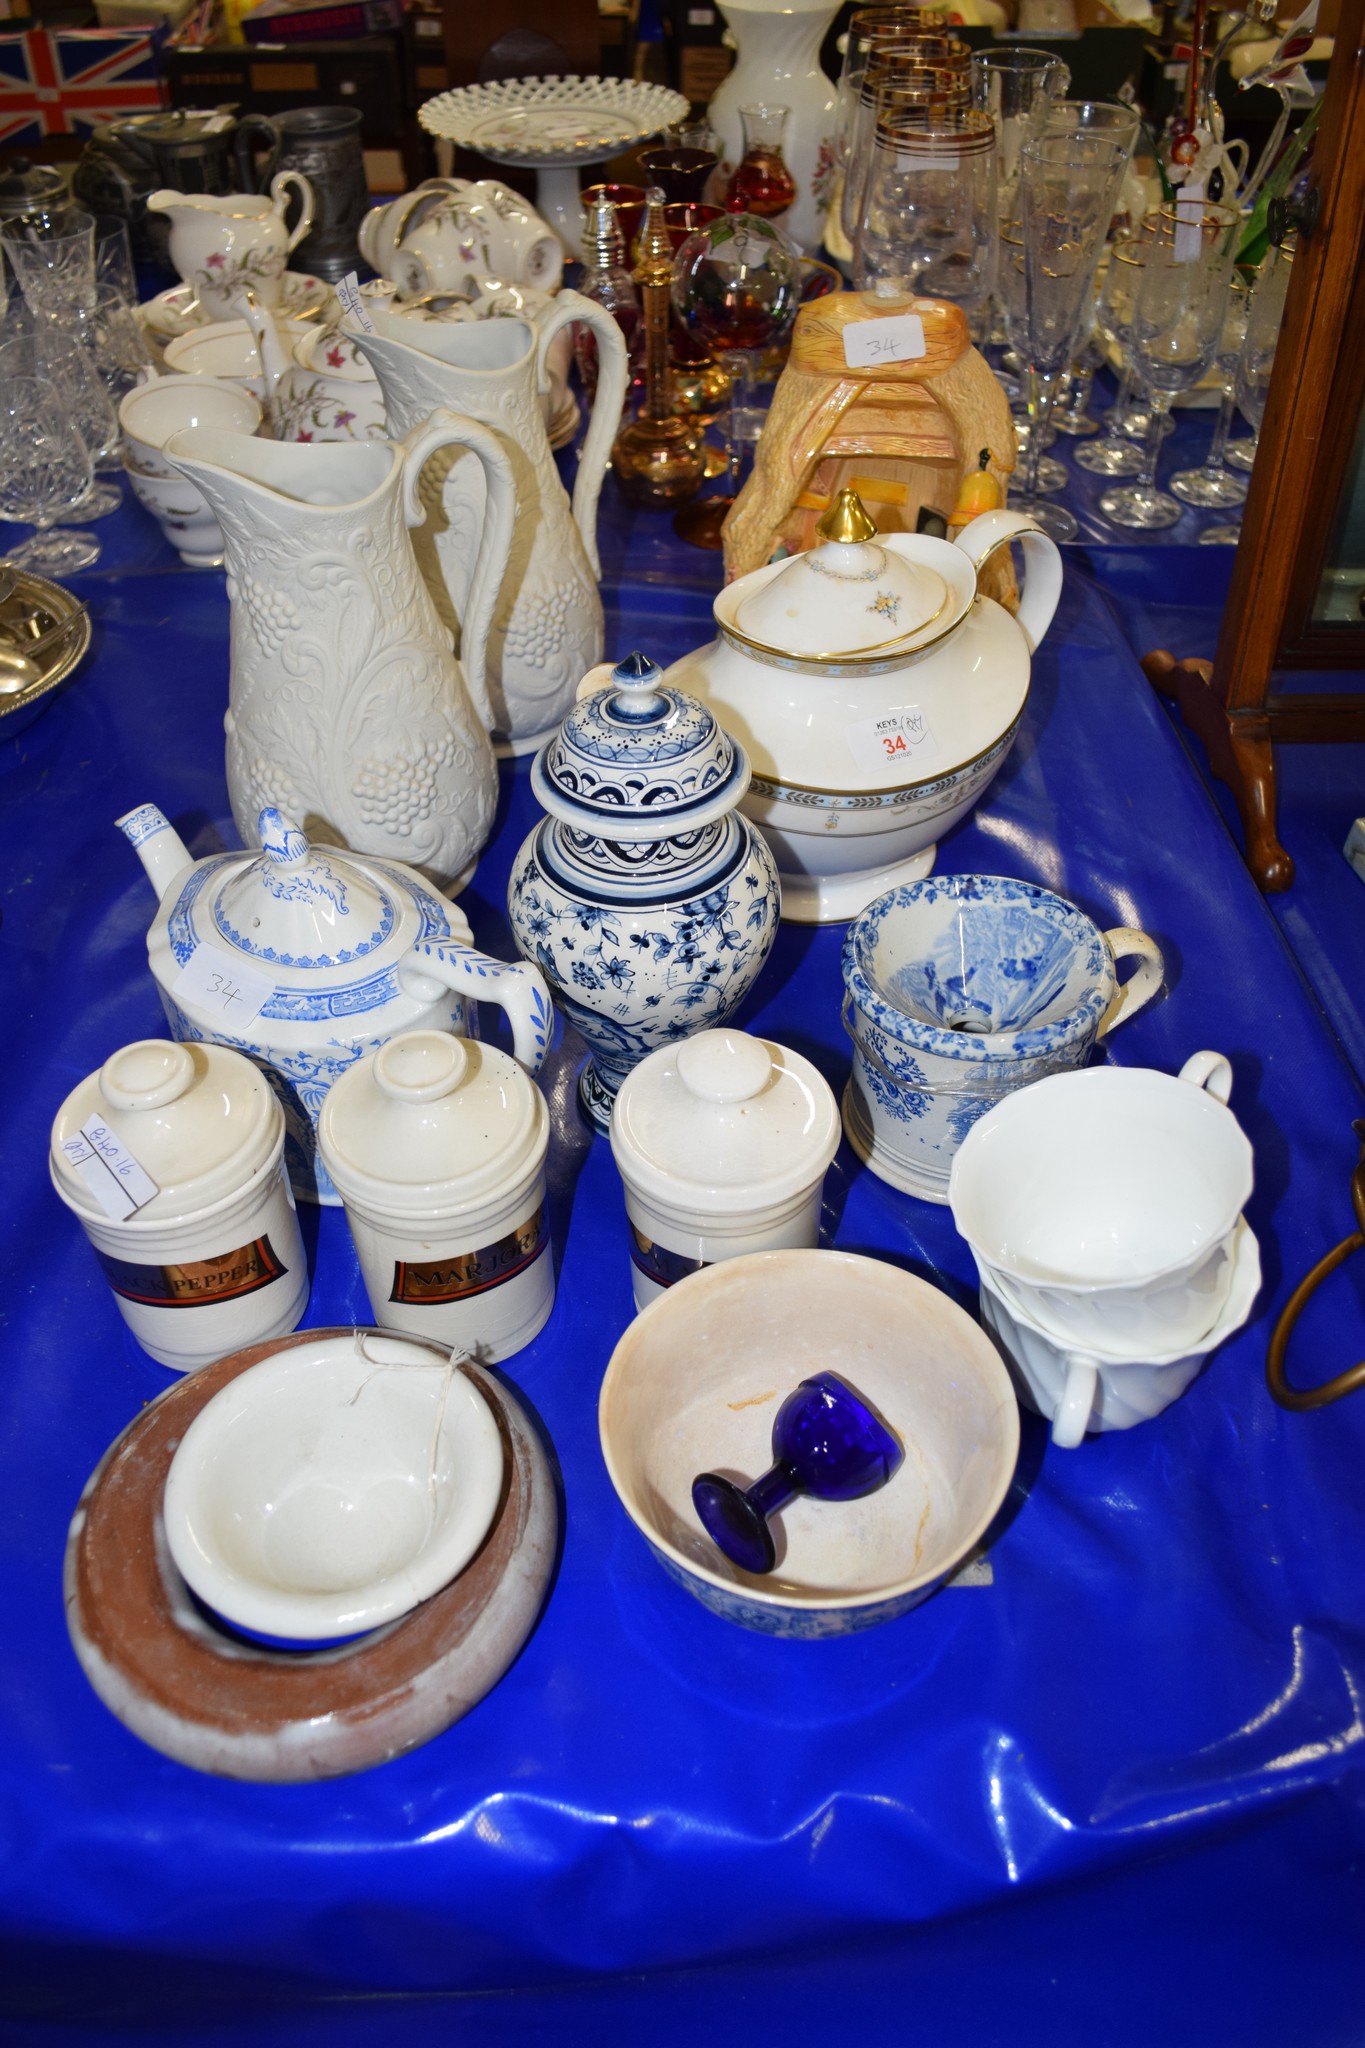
(638, 760)
(197, 1120)
(847, 597)
(724, 1121)
(432, 1124)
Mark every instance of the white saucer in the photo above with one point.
(178, 311)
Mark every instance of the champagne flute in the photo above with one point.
(1215, 486)
(1067, 187)
(1265, 311)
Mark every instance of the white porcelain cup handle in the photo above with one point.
(1078, 1399)
(1211, 1071)
(988, 532)
(596, 679)
(1126, 943)
(612, 377)
(278, 191)
(446, 429)
(516, 987)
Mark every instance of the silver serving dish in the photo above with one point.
(44, 631)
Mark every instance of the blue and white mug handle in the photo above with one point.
(517, 988)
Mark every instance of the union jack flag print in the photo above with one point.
(67, 81)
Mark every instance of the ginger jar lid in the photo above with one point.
(639, 760)
(722, 1122)
(844, 599)
(431, 1125)
(196, 1120)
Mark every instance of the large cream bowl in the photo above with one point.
(877, 691)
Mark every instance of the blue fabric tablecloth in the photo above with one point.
(1114, 1796)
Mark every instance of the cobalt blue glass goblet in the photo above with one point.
(826, 1442)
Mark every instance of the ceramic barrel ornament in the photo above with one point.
(645, 898)
(886, 396)
(172, 1158)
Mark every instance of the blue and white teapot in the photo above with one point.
(308, 959)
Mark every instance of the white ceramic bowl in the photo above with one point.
(333, 1487)
(696, 1380)
(182, 512)
(153, 412)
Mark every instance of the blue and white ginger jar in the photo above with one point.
(645, 898)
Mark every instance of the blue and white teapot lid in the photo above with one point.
(638, 760)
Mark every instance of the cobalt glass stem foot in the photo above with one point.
(826, 1443)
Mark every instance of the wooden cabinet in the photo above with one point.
(1297, 599)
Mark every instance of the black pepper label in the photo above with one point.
(226, 1277)
(467, 1273)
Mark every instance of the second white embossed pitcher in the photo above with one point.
(347, 708)
(547, 626)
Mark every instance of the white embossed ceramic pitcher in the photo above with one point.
(347, 708)
(547, 626)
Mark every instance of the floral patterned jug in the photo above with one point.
(547, 627)
(347, 709)
(220, 245)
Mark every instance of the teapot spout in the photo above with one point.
(158, 846)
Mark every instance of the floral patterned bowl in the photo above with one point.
(960, 989)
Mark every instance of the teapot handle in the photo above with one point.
(278, 184)
(981, 537)
(612, 377)
(446, 429)
(517, 988)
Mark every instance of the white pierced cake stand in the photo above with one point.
(554, 126)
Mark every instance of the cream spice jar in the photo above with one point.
(172, 1157)
(436, 1145)
(722, 1141)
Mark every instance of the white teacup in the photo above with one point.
(153, 412)
(182, 512)
(1080, 1391)
(1106, 1201)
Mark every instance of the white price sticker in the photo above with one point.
(899, 338)
(348, 291)
(898, 743)
(116, 1180)
(212, 980)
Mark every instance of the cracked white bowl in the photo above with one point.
(333, 1488)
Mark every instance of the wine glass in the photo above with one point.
(736, 286)
(826, 1442)
(44, 472)
(929, 209)
(1067, 187)
(1033, 436)
(1215, 486)
(1178, 317)
(1265, 311)
(54, 261)
(44, 350)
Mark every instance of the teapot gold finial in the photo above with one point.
(847, 519)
